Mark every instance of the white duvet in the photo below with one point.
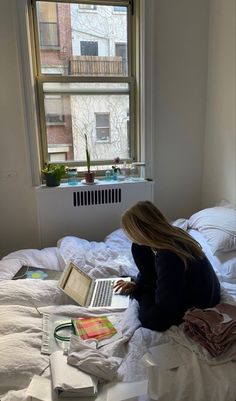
(23, 302)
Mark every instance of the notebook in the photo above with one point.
(89, 292)
(37, 273)
(68, 381)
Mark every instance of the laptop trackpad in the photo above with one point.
(119, 301)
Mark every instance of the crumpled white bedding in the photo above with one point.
(47, 257)
(23, 302)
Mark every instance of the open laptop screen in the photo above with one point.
(76, 284)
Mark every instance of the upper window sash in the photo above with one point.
(42, 72)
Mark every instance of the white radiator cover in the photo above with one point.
(86, 211)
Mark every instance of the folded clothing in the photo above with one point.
(214, 328)
(85, 356)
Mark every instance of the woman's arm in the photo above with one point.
(145, 281)
(167, 306)
(144, 259)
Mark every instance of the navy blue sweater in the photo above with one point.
(166, 288)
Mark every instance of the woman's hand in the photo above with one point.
(125, 287)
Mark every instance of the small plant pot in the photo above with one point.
(52, 181)
(89, 177)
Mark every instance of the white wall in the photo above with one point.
(18, 228)
(180, 46)
(219, 179)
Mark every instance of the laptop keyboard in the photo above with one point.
(104, 293)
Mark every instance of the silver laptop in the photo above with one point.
(92, 293)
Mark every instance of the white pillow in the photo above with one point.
(218, 226)
(227, 263)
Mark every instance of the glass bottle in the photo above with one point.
(72, 176)
(108, 176)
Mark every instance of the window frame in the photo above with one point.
(133, 80)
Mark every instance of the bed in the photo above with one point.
(23, 303)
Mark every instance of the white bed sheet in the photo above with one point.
(22, 303)
(48, 258)
(227, 279)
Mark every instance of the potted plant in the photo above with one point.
(88, 175)
(53, 173)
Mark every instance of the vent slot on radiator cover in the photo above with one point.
(97, 197)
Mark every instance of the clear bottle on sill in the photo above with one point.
(108, 175)
(72, 176)
(137, 171)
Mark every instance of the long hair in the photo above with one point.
(144, 224)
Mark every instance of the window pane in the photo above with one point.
(87, 7)
(88, 48)
(120, 8)
(48, 34)
(47, 12)
(47, 18)
(57, 157)
(102, 120)
(103, 127)
(105, 120)
(54, 110)
(86, 41)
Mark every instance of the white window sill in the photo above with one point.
(98, 182)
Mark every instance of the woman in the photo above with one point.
(174, 273)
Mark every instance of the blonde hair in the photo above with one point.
(144, 224)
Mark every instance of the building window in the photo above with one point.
(102, 127)
(86, 7)
(54, 110)
(121, 51)
(88, 48)
(57, 157)
(120, 9)
(93, 69)
(48, 29)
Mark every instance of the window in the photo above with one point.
(121, 51)
(102, 127)
(54, 110)
(47, 13)
(120, 9)
(55, 157)
(89, 85)
(86, 7)
(89, 48)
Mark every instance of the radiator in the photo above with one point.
(86, 211)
